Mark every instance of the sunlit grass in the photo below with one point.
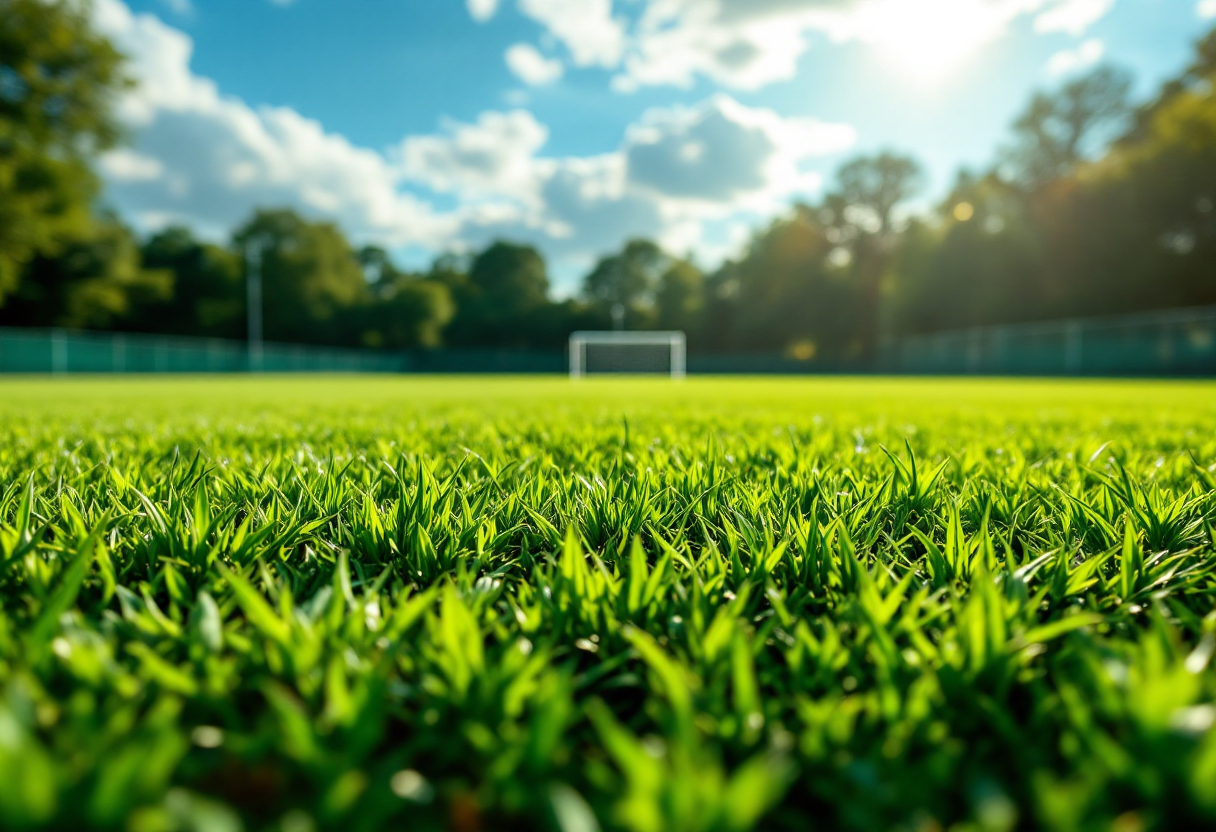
(488, 603)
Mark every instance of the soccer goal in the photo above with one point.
(627, 352)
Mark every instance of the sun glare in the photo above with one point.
(929, 40)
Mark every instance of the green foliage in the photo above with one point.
(788, 266)
(1058, 131)
(208, 287)
(57, 79)
(680, 299)
(508, 604)
(404, 310)
(309, 271)
(95, 280)
(628, 280)
(1071, 225)
(505, 287)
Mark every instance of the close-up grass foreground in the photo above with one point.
(484, 604)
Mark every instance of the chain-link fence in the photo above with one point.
(1180, 342)
(61, 351)
(1175, 342)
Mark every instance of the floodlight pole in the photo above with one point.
(576, 358)
(253, 303)
(618, 317)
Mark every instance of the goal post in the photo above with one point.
(663, 353)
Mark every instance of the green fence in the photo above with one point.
(1175, 342)
(61, 351)
(1180, 342)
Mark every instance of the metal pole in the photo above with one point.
(253, 285)
(576, 369)
(618, 317)
(678, 350)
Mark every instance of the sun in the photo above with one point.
(929, 39)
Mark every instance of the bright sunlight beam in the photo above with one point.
(929, 39)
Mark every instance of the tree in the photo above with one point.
(505, 287)
(627, 280)
(979, 261)
(57, 81)
(860, 220)
(680, 298)
(785, 294)
(510, 278)
(208, 287)
(1059, 130)
(94, 282)
(404, 310)
(378, 267)
(309, 274)
(872, 187)
(1138, 228)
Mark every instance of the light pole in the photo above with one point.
(253, 301)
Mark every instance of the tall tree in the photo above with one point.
(505, 287)
(309, 274)
(1138, 228)
(208, 287)
(626, 281)
(861, 220)
(404, 310)
(680, 299)
(1059, 130)
(785, 293)
(980, 260)
(510, 277)
(57, 81)
(94, 281)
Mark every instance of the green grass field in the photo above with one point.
(487, 604)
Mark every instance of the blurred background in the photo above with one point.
(798, 185)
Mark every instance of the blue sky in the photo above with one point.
(429, 125)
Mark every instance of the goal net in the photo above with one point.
(661, 353)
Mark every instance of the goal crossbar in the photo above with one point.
(674, 341)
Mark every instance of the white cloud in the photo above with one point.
(1073, 16)
(747, 44)
(496, 157)
(181, 7)
(586, 27)
(210, 160)
(723, 152)
(125, 165)
(531, 67)
(482, 10)
(744, 46)
(1206, 9)
(677, 172)
(1070, 61)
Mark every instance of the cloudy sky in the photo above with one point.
(429, 125)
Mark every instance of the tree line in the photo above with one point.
(1095, 205)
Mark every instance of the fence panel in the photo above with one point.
(1179, 342)
(61, 351)
(1176, 342)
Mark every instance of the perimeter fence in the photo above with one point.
(1173, 342)
(1179, 342)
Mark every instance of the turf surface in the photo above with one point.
(483, 604)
